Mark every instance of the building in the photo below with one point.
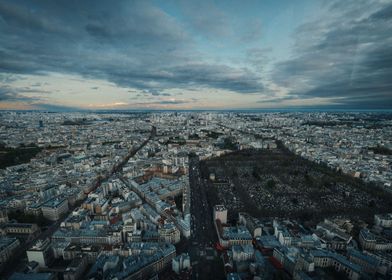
(383, 220)
(181, 262)
(41, 252)
(184, 226)
(21, 230)
(332, 235)
(55, 208)
(253, 225)
(233, 276)
(371, 241)
(242, 252)
(76, 268)
(287, 256)
(48, 192)
(33, 276)
(88, 236)
(8, 246)
(235, 236)
(3, 216)
(324, 258)
(169, 233)
(368, 263)
(133, 267)
(73, 251)
(220, 213)
(384, 258)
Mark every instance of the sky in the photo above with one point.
(173, 54)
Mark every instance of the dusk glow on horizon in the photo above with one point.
(120, 55)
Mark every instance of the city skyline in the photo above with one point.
(93, 55)
(195, 195)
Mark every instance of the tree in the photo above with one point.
(270, 184)
(255, 173)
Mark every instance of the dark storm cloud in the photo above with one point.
(154, 92)
(10, 94)
(217, 76)
(185, 76)
(348, 58)
(130, 43)
(278, 99)
(9, 78)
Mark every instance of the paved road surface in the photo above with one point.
(203, 230)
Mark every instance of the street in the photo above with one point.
(205, 260)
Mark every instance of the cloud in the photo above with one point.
(6, 78)
(34, 102)
(16, 94)
(205, 18)
(258, 57)
(278, 99)
(253, 31)
(133, 44)
(151, 50)
(347, 56)
(155, 92)
(240, 80)
(172, 103)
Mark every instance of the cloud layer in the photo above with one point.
(131, 43)
(345, 56)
